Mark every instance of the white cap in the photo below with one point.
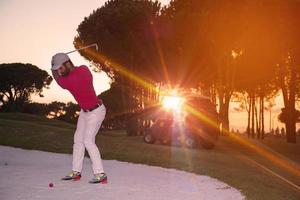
(58, 59)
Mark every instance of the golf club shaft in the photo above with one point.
(94, 44)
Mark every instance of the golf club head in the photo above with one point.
(96, 46)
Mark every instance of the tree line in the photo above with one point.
(243, 50)
(19, 81)
(247, 48)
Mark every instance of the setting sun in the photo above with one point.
(172, 102)
(203, 94)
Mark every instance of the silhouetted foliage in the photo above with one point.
(18, 82)
(249, 46)
(284, 116)
(36, 109)
(70, 114)
(123, 30)
(116, 112)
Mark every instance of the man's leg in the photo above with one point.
(92, 127)
(78, 147)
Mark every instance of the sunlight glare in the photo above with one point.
(172, 102)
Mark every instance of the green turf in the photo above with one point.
(229, 162)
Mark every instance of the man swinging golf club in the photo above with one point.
(79, 82)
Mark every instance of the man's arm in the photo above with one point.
(55, 75)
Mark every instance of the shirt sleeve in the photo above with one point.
(57, 78)
(86, 71)
(61, 82)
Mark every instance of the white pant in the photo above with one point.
(88, 126)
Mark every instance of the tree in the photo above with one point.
(288, 63)
(224, 45)
(36, 109)
(18, 82)
(116, 112)
(289, 80)
(56, 109)
(70, 114)
(124, 30)
(205, 35)
(271, 51)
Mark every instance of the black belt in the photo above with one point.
(93, 108)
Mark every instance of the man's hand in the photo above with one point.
(55, 75)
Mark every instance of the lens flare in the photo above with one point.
(172, 102)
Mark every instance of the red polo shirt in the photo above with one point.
(80, 83)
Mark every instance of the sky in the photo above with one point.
(32, 31)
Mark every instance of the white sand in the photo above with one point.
(26, 174)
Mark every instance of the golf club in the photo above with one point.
(94, 44)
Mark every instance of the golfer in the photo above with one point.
(79, 82)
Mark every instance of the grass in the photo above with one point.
(230, 162)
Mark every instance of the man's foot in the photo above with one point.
(99, 178)
(72, 176)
